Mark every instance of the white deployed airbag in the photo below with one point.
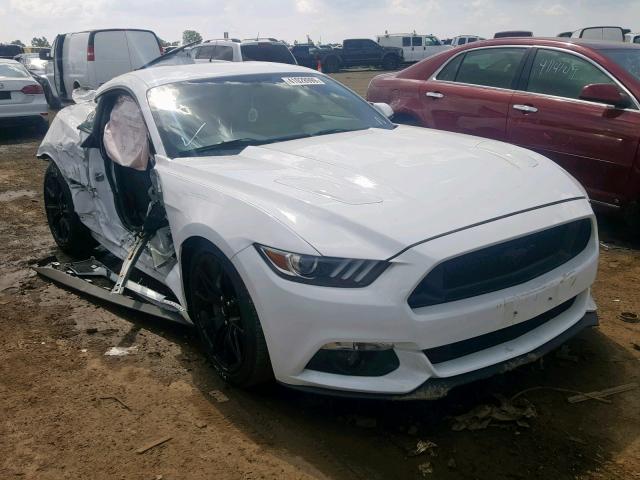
(125, 135)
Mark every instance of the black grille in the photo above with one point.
(503, 265)
(488, 340)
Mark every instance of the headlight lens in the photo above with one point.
(323, 271)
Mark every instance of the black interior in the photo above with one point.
(130, 186)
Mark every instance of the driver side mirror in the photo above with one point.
(384, 108)
(606, 93)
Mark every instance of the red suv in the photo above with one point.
(574, 101)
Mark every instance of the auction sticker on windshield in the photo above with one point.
(302, 81)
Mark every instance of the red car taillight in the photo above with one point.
(34, 89)
(91, 56)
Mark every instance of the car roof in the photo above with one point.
(555, 42)
(162, 75)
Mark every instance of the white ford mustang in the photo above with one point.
(309, 238)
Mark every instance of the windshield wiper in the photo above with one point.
(329, 131)
(238, 142)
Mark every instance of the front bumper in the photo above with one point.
(299, 319)
(436, 388)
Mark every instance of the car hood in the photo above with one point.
(374, 192)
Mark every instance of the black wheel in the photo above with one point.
(226, 319)
(331, 65)
(390, 62)
(65, 225)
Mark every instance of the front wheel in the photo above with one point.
(226, 319)
(71, 235)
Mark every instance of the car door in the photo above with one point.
(417, 49)
(431, 47)
(54, 68)
(372, 52)
(471, 93)
(407, 50)
(594, 142)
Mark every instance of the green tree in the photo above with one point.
(163, 43)
(189, 36)
(18, 42)
(40, 42)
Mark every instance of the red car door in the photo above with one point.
(472, 92)
(594, 142)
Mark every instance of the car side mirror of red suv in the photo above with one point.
(606, 93)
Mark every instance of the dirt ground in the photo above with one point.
(67, 411)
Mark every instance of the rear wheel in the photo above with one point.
(68, 231)
(226, 319)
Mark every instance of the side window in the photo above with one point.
(430, 41)
(449, 72)
(406, 41)
(215, 52)
(491, 67)
(562, 74)
(370, 44)
(636, 39)
(416, 41)
(203, 52)
(462, 41)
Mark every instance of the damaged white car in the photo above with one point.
(310, 239)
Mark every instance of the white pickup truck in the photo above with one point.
(414, 46)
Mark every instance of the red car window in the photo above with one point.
(562, 74)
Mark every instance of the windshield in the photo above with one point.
(627, 58)
(13, 70)
(207, 116)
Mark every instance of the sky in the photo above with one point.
(325, 20)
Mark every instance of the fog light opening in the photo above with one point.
(355, 359)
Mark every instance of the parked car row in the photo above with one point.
(21, 96)
(574, 101)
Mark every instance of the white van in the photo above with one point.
(464, 39)
(415, 47)
(89, 59)
(614, 34)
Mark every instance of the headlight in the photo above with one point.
(323, 271)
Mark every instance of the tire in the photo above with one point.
(331, 65)
(68, 231)
(226, 319)
(390, 62)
